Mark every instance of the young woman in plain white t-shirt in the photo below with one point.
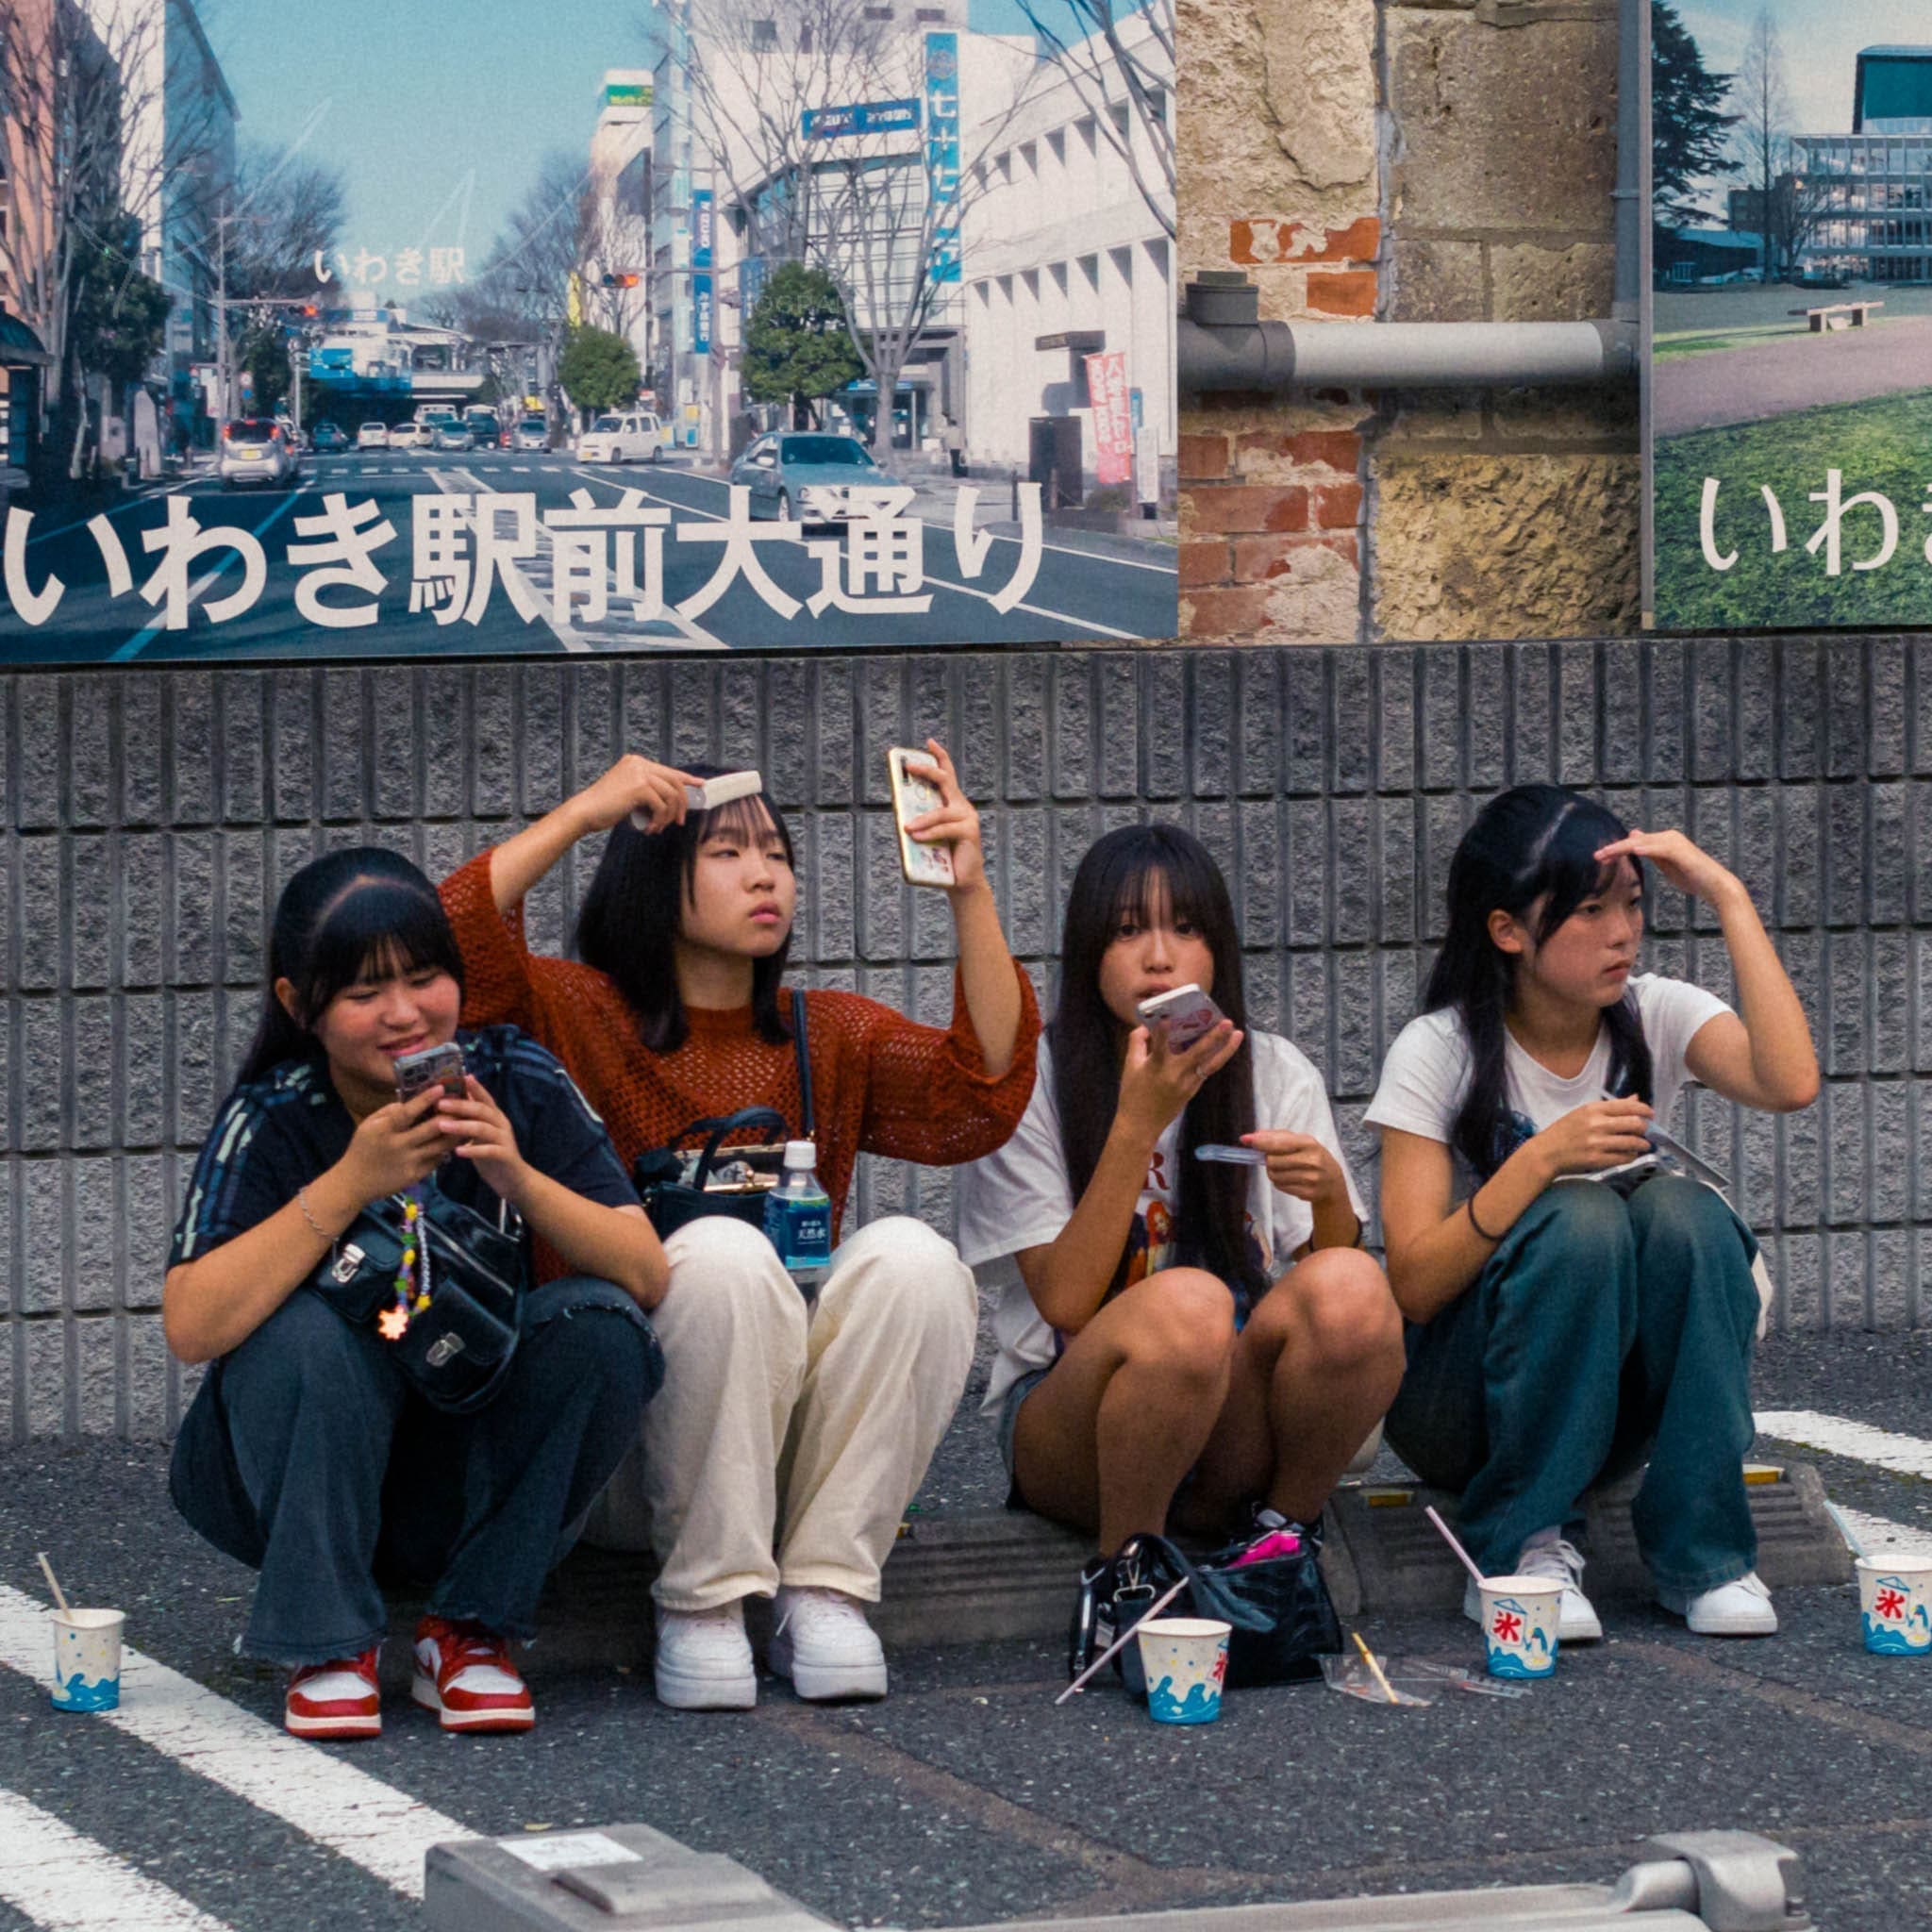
(1575, 1307)
(1181, 1320)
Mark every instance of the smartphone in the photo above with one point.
(1187, 1012)
(435, 1066)
(711, 794)
(913, 795)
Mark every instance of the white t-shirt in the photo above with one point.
(1427, 1073)
(1020, 1197)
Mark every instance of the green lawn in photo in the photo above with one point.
(1883, 445)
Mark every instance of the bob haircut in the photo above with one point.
(1531, 844)
(341, 918)
(1126, 876)
(630, 918)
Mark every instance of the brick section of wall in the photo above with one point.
(153, 817)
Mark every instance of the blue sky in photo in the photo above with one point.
(438, 113)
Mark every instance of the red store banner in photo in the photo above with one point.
(1114, 417)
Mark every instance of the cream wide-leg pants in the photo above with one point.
(789, 1436)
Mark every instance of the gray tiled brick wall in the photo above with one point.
(154, 814)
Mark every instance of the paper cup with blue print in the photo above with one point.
(1896, 1604)
(87, 1660)
(1184, 1659)
(1519, 1624)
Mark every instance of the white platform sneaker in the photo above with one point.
(820, 1641)
(1546, 1554)
(704, 1660)
(1732, 1609)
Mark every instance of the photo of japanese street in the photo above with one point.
(475, 341)
(1790, 362)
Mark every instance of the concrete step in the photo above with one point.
(975, 1576)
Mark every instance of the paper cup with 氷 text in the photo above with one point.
(1185, 1661)
(1519, 1624)
(87, 1660)
(1896, 1604)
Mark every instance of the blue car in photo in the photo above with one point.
(810, 476)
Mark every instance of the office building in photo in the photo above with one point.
(1863, 200)
(1067, 260)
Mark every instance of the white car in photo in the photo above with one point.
(408, 436)
(634, 437)
(372, 436)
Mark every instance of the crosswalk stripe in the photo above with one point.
(68, 1883)
(1834, 1435)
(382, 1829)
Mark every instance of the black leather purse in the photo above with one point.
(674, 1192)
(458, 1350)
(1283, 1622)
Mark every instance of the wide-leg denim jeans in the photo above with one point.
(306, 1455)
(1602, 1331)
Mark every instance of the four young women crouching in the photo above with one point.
(1188, 1338)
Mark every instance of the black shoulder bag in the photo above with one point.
(458, 1350)
(1283, 1622)
(673, 1191)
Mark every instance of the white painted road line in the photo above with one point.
(68, 1883)
(1833, 1434)
(385, 1831)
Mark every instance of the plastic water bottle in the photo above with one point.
(798, 1216)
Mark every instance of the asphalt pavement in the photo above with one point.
(1078, 591)
(967, 1796)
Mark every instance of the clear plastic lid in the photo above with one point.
(801, 1154)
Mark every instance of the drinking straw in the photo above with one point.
(1154, 1609)
(52, 1583)
(1449, 1538)
(1369, 1659)
(1845, 1530)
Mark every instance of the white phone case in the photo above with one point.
(913, 796)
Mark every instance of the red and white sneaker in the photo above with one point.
(338, 1699)
(463, 1672)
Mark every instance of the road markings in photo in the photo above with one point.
(142, 640)
(1834, 1435)
(376, 1826)
(66, 1883)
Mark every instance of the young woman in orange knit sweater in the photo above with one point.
(818, 1417)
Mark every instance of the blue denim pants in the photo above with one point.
(1603, 1332)
(308, 1455)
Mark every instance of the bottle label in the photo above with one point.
(801, 1231)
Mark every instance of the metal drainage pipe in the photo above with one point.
(1223, 344)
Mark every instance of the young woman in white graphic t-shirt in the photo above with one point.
(1577, 1308)
(1178, 1320)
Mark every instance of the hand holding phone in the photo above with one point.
(913, 795)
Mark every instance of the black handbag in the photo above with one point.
(1283, 1622)
(674, 1192)
(458, 1350)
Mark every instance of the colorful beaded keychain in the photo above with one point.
(412, 1276)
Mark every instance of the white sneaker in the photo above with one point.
(1732, 1609)
(1546, 1554)
(704, 1660)
(820, 1641)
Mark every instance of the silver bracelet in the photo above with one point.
(302, 1202)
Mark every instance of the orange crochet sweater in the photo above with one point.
(881, 1083)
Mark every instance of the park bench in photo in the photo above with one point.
(1831, 315)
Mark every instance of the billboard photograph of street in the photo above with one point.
(771, 323)
(1791, 347)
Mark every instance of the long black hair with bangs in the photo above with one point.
(628, 925)
(1531, 844)
(1125, 875)
(363, 909)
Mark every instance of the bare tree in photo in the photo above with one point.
(1121, 66)
(1763, 131)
